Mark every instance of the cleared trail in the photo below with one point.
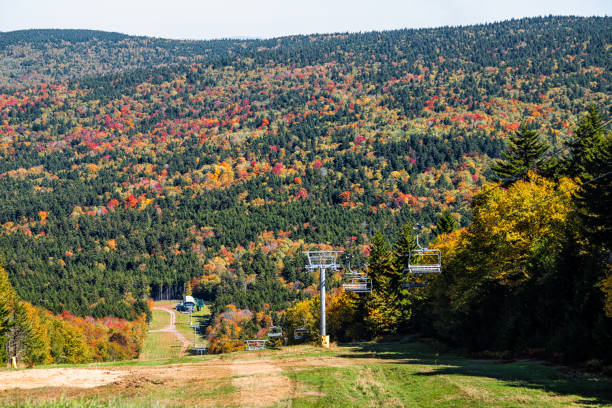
(384, 375)
(172, 328)
(260, 383)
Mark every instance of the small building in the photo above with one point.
(189, 304)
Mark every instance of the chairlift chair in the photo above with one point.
(424, 260)
(357, 282)
(301, 332)
(421, 263)
(275, 331)
(414, 280)
(254, 344)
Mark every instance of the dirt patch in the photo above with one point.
(260, 384)
(122, 377)
(58, 377)
(255, 378)
(137, 381)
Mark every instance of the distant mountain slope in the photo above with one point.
(35, 56)
(30, 57)
(56, 36)
(210, 157)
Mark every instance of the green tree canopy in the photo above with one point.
(591, 161)
(524, 153)
(586, 146)
(446, 223)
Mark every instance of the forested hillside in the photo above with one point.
(131, 165)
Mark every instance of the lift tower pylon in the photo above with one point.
(322, 260)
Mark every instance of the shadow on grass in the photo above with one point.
(591, 389)
(199, 351)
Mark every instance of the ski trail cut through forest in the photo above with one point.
(172, 329)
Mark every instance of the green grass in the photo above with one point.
(160, 320)
(170, 303)
(74, 403)
(198, 318)
(356, 375)
(412, 376)
(161, 345)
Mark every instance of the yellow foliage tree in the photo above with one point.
(302, 313)
(510, 230)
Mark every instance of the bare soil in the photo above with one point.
(260, 383)
(257, 381)
(59, 377)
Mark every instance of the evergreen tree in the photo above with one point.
(403, 298)
(7, 301)
(524, 154)
(595, 198)
(387, 308)
(17, 336)
(446, 223)
(379, 262)
(402, 248)
(591, 159)
(586, 145)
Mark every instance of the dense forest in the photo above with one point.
(131, 166)
(33, 335)
(529, 277)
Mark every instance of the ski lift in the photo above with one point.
(414, 280)
(301, 332)
(357, 282)
(275, 331)
(322, 260)
(252, 345)
(421, 263)
(424, 260)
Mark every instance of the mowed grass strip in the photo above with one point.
(161, 345)
(160, 320)
(410, 375)
(401, 386)
(199, 318)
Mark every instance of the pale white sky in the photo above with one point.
(206, 19)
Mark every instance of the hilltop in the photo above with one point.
(31, 57)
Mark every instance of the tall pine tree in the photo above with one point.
(401, 256)
(446, 223)
(524, 153)
(591, 159)
(388, 306)
(586, 145)
(7, 302)
(379, 262)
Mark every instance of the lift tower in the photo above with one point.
(322, 260)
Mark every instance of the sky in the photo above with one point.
(205, 19)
